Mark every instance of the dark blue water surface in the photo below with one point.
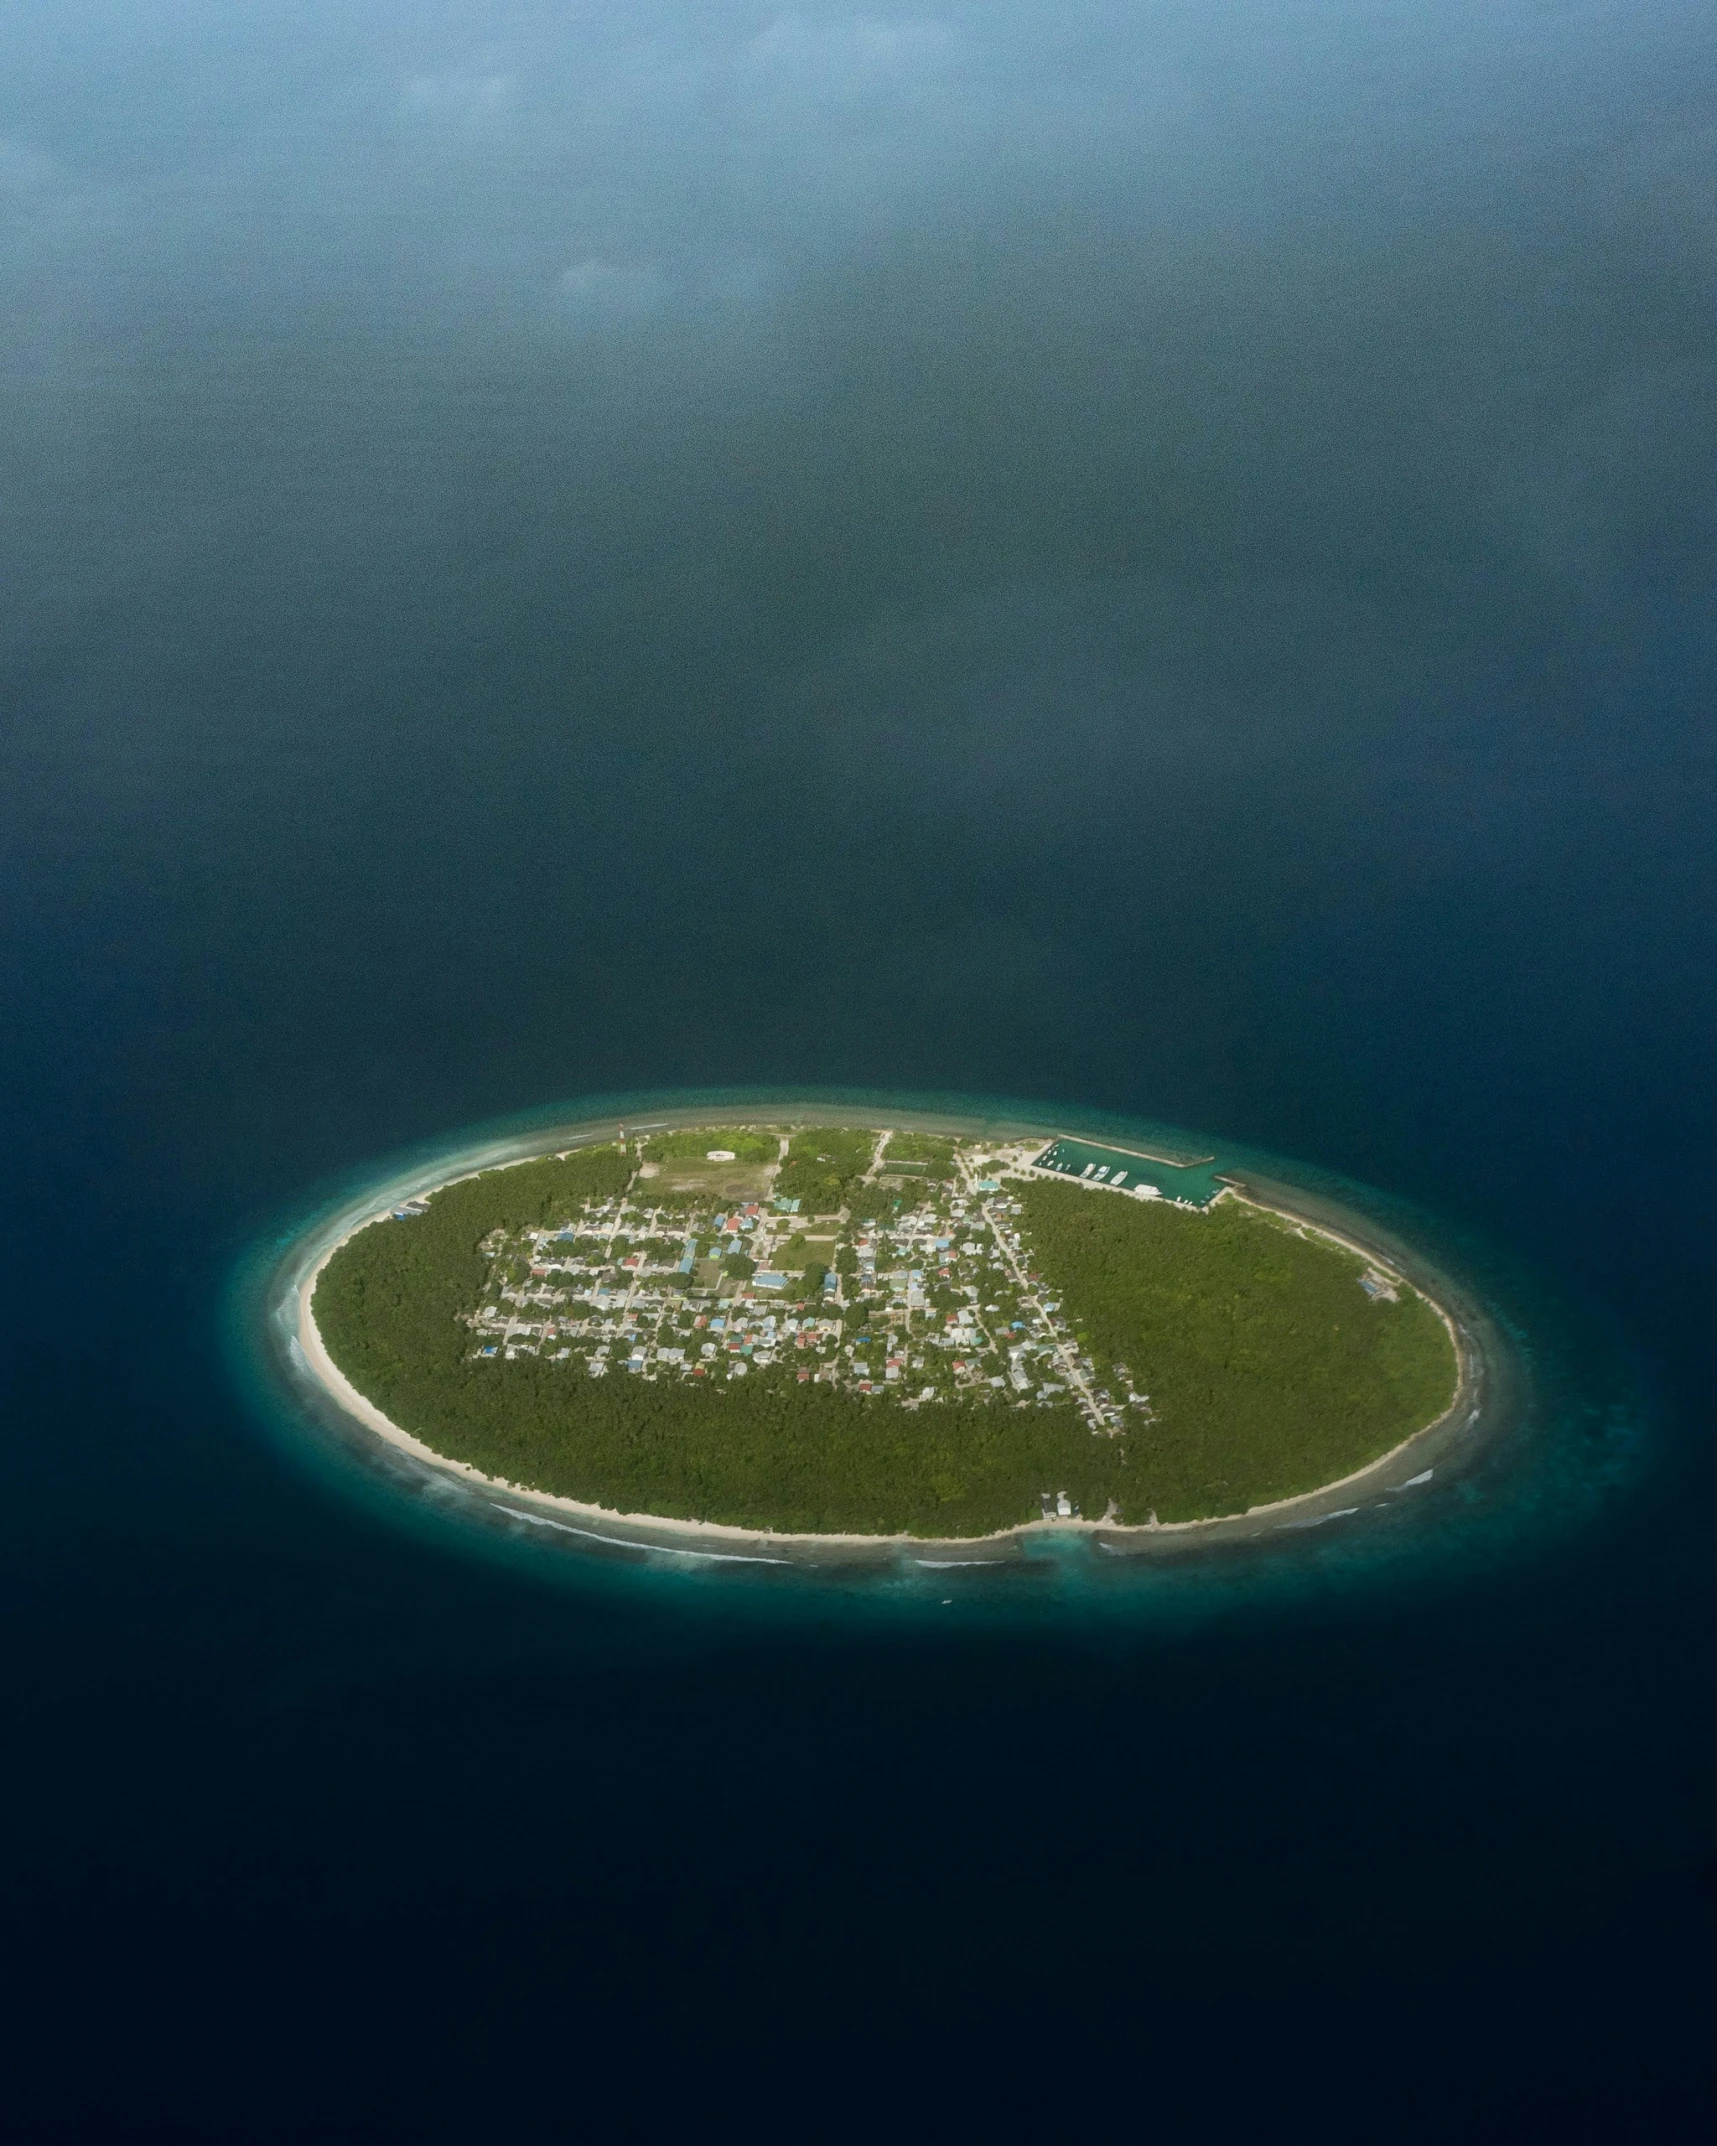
(1154, 560)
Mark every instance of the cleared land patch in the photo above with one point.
(714, 1180)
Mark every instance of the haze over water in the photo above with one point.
(1149, 559)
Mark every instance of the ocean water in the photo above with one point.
(1157, 562)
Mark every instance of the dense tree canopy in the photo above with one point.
(823, 1164)
(1269, 1369)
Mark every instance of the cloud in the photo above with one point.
(1030, 265)
(477, 102)
(606, 288)
(849, 57)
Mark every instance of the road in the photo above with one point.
(1066, 1352)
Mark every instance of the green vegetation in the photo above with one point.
(823, 1164)
(1230, 1360)
(389, 1302)
(919, 1155)
(920, 1147)
(755, 1454)
(670, 1196)
(878, 1199)
(1269, 1371)
(693, 1143)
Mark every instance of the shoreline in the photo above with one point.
(726, 1541)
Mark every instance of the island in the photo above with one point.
(874, 1332)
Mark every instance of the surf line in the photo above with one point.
(619, 1542)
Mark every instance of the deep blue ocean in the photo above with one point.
(1155, 562)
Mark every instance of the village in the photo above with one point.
(919, 1288)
